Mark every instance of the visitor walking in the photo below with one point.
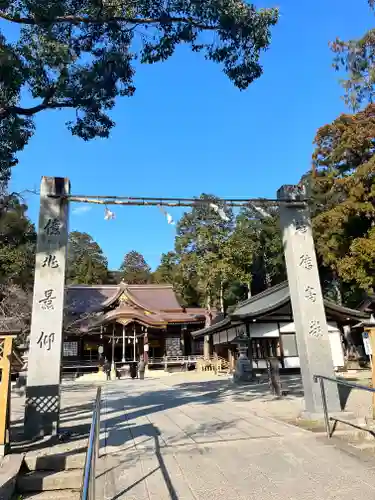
(141, 368)
(107, 369)
(133, 369)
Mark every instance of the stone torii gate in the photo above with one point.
(306, 296)
(45, 349)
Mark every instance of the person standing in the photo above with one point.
(141, 368)
(107, 369)
(133, 369)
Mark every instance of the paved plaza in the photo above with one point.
(200, 438)
(197, 436)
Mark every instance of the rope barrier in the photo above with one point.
(178, 202)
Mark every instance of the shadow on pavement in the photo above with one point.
(75, 420)
(120, 415)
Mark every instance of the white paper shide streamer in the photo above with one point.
(260, 211)
(108, 214)
(167, 215)
(220, 212)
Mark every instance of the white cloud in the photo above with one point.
(81, 209)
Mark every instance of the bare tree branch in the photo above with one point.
(17, 110)
(107, 20)
(15, 310)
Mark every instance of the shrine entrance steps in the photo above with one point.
(51, 477)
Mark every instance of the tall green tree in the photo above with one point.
(258, 245)
(173, 271)
(17, 242)
(201, 241)
(357, 59)
(135, 269)
(167, 270)
(87, 264)
(344, 163)
(17, 261)
(80, 56)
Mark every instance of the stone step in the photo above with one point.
(354, 434)
(54, 495)
(363, 445)
(361, 429)
(56, 462)
(46, 481)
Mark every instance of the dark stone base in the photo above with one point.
(42, 410)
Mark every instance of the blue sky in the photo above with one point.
(188, 130)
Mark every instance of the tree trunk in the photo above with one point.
(267, 275)
(249, 288)
(221, 297)
(337, 287)
(206, 343)
(208, 301)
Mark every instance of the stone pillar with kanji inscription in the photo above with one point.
(44, 359)
(307, 300)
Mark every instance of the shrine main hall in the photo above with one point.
(122, 322)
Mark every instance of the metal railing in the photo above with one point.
(327, 418)
(89, 472)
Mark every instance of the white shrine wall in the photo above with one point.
(274, 329)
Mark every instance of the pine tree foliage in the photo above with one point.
(81, 55)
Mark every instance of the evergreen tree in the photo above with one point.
(344, 226)
(135, 269)
(17, 242)
(202, 237)
(80, 56)
(86, 264)
(357, 59)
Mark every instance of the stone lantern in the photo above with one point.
(244, 368)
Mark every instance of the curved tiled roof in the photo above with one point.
(91, 298)
(152, 305)
(213, 328)
(270, 301)
(345, 311)
(157, 320)
(155, 297)
(265, 302)
(277, 296)
(125, 312)
(85, 298)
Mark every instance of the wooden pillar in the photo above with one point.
(5, 369)
(123, 344)
(182, 341)
(145, 348)
(113, 365)
(232, 359)
(371, 333)
(249, 346)
(206, 347)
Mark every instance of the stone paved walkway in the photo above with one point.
(206, 439)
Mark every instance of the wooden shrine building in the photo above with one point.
(126, 321)
(266, 321)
